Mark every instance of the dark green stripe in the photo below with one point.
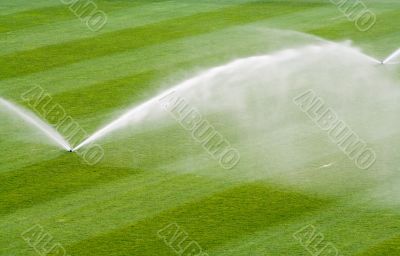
(33, 18)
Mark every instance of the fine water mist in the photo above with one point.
(35, 122)
(250, 102)
(202, 84)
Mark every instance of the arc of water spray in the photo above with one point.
(138, 112)
(32, 119)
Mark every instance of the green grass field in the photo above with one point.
(155, 174)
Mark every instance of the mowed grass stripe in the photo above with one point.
(212, 221)
(53, 14)
(109, 94)
(52, 56)
(35, 17)
(387, 247)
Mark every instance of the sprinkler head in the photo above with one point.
(70, 150)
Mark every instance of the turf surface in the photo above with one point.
(145, 182)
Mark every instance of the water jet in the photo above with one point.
(391, 57)
(30, 118)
